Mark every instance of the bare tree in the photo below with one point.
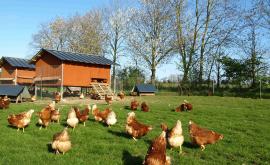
(264, 11)
(150, 37)
(186, 34)
(83, 34)
(52, 35)
(86, 33)
(115, 20)
(250, 44)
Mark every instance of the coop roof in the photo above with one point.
(11, 90)
(145, 88)
(17, 62)
(75, 57)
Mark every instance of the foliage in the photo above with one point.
(130, 76)
(79, 33)
(235, 70)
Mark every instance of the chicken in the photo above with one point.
(45, 117)
(61, 142)
(83, 115)
(107, 116)
(4, 102)
(100, 115)
(134, 128)
(175, 136)
(33, 98)
(156, 154)
(108, 99)
(111, 118)
(121, 94)
(55, 115)
(57, 97)
(185, 106)
(144, 107)
(134, 104)
(52, 105)
(20, 120)
(81, 96)
(72, 119)
(202, 136)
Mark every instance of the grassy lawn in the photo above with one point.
(245, 124)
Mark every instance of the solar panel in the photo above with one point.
(18, 62)
(11, 90)
(78, 57)
(145, 88)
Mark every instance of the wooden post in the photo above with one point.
(62, 80)
(16, 76)
(35, 90)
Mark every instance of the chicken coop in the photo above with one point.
(16, 93)
(68, 69)
(144, 90)
(16, 71)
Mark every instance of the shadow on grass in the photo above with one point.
(92, 120)
(149, 142)
(119, 134)
(64, 124)
(49, 147)
(189, 145)
(16, 128)
(128, 159)
(127, 107)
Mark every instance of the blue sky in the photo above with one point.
(20, 19)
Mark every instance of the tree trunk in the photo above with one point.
(153, 76)
(113, 77)
(209, 74)
(203, 42)
(185, 76)
(218, 75)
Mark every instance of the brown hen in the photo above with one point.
(82, 115)
(202, 136)
(135, 128)
(156, 154)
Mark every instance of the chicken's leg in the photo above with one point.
(202, 147)
(180, 150)
(134, 138)
(83, 123)
(18, 129)
(40, 127)
(23, 129)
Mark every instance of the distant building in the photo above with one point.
(16, 71)
(144, 89)
(67, 69)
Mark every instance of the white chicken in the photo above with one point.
(111, 119)
(52, 105)
(81, 96)
(72, 119)
(175, 136)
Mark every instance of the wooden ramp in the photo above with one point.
(101, 89)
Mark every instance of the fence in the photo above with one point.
(262, 89)
(48, 76)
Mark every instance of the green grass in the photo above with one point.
(245, 124)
